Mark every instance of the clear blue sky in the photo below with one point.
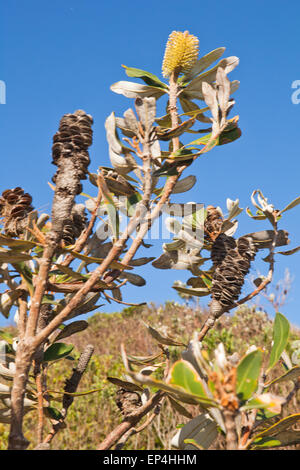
(59, 56)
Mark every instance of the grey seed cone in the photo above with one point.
(72, 140)
(15, 205)
(232, 259)
(75, 225)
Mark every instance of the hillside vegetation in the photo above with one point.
(92, 416)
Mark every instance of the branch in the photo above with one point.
(71, 387)
(130, 421)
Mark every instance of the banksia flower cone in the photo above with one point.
(72, 141)
(181, 53)
(15, 205)
(231, 259)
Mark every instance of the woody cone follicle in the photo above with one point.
(15, 206)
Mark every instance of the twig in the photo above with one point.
(231, 435)
(130, 421)
(81, 241)
(71, 387)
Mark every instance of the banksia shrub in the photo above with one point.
(181, 53)
(15, 205)
(72, 141)
(231, 259)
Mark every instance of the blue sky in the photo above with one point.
(57, 57)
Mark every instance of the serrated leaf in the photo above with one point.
(281, 329)
(57, 351)
(248, 371)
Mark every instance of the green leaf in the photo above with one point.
(185, 376)
(285, 438)
(6, 336)
(148, 77)
(248, 373)
(18, 244)
(175, 390)
(66, 270)
(131, 387)
(278, 427)
(53, 413)
(230, 136)
(197, 292)
(26, 275)
(131, 203)
(92, 259)
(72, 328)
(281, 331)
(57, 351)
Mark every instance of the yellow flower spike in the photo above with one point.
(181, 53)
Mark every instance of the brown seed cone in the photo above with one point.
(128, 402)
(231, 259)
(213, 222)
(15, 205)
(76, 224)
(72, 140)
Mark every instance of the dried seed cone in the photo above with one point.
(72, 141)
(75, 225)
(231, 259)
(15, 205)
(181, 53)
(213, 222)
(128, 402)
